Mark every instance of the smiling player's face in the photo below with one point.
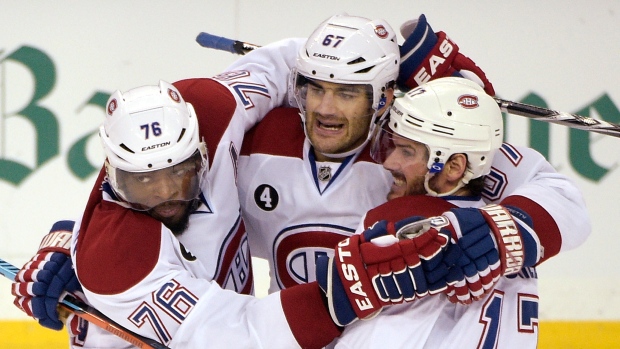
(407, 162)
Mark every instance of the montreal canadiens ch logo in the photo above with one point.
(112, 106)
(468, 101)
(381, 32)
(296, 249)
(174, 95)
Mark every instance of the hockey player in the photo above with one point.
(303, 187)
(407, 146)
(166, 184)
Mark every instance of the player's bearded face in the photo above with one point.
(173, 214)
(337, 116)
(407, 162)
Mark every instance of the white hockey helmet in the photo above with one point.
(350, 50)
(147, 129)
(449, 115)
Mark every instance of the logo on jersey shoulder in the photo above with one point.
(266, 197)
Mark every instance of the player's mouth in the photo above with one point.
(169, 209)
(328, 127)
(399, 180)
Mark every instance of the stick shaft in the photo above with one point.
(561, 118)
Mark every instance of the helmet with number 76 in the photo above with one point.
(150, 134)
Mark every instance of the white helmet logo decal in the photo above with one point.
(468, 101)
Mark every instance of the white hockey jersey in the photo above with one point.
(507, 317)
(296, 208)
(183, 292)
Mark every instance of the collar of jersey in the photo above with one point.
(312, 159)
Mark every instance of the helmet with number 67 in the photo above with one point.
(450, 116)
(151, 141)
(349, 50)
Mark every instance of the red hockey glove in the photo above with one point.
(399, 267)
(363, 276)
(45, 279)
(426, 55)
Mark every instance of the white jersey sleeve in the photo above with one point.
(272, 66)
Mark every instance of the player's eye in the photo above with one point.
(315, 90)
(144, 179)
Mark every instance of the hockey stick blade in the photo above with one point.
(561, 118)
(92, 315)
(529, 111)
(224, 44)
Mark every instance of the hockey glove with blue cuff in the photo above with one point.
(486, 244)
(426, 55)
(43, 281)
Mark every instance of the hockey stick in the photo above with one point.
(580, 122)
(224, 44)
(529, 111)
(90, 314)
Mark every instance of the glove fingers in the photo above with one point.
(418, 277)
(64, 280)
(390, 286)
(53, 324)
(436, 274)
(480, 247)
(455, 275)
(433, 263)
(382, 293)
(23, 303)
(406, 285)
(452, 254)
